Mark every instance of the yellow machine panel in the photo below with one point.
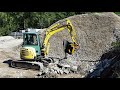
(27, 53)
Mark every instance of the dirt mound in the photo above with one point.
(9, 47)
(96, 32)
(6, 38)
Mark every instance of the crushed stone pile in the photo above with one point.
(6, 38)
(95, 31)
(9, 47)
(9, 42)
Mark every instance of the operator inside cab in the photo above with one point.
(31, 39)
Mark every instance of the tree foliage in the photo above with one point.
(15, 21)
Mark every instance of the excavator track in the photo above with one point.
(26, 65)
(34, 65)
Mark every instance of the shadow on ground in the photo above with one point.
(23, 64)
(8, 62)
(106, 68)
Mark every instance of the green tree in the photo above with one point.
(15, 21)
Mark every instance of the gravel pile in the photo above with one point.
(95, 31)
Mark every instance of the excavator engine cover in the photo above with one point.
(27, 53)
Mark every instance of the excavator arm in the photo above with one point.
(57, 28)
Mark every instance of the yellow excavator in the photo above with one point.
(34, 51)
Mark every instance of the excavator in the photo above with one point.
(34, 50)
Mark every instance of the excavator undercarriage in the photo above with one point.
(25, 65)
(30, 64)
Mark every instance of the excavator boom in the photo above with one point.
(57, 28)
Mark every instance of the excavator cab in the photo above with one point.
(31, 46)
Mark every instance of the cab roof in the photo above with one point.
(31, 32)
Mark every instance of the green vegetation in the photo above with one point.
(116, 44)
(15, 21)
(118, 13)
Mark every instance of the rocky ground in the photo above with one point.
(95, 31)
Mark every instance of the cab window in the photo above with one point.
(30, 39)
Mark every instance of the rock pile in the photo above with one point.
(95, 31)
